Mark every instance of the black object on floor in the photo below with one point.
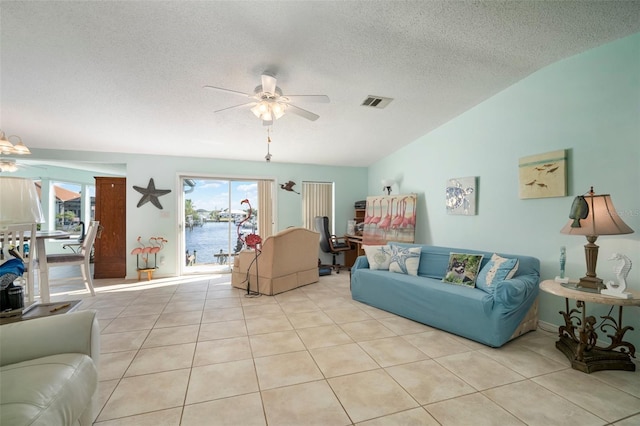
(324, 270)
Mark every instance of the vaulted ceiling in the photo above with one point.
(128, 76)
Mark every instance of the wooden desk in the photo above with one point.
(350, 256)
(578, 338)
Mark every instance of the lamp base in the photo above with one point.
(591, 282)
(595, 359)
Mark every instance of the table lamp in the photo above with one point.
(387, 184)
(19, 202)
(593, 215)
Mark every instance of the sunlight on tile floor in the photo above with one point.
(195, 351)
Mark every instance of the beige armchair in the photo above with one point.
(289, 259)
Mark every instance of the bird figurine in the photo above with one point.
(289, 186)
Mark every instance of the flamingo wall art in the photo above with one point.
(390, 218)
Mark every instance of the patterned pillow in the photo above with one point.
(379, 257)
(404, 260)
(497, 269)
(463, 269)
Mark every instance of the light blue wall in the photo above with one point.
(350, 185)
(588, 104)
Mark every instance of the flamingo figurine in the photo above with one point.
(252, 240)
(157, 243)
(138, 251)
(145, 252)
(153, 244)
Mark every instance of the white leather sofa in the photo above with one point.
(48, 370)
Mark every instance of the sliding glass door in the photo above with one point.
(217, 217)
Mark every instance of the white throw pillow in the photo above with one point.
(405, 260)
(379, 257)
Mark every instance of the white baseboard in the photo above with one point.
(548, 327)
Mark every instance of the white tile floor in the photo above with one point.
(195, 351)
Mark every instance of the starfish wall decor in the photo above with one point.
(150, 193)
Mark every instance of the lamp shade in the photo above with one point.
(19, 202)
(595, 215)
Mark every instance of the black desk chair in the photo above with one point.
(330, 243)
(77, 245)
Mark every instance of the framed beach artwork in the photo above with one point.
(543, 175)
(460, 196)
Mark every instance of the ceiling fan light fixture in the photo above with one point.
(7, 147)
(8, 166)
(262, 110)
(268, 103)
(19, 147)
(278, 109)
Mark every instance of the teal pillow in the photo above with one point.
(404, 260)
(497, 269)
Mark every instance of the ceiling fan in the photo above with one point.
(268, 103)
(10, 165)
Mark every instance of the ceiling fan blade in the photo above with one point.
(222, 89)
(235, 106)
(302, 112)
(324, 99)
(268, 84)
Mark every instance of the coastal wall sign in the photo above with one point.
(151, 194)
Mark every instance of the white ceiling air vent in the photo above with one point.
(376, 101)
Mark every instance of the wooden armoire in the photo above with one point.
(110, 250)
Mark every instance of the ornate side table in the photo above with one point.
(578, 336)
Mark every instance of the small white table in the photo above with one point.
(578, 337)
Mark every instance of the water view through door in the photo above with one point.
(216, 212)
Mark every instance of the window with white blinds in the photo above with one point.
(317, 200)
(265, 208)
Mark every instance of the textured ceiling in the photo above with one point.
(128, 76)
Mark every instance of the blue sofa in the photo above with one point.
(491, 319)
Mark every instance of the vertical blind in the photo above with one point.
(317, 200)
(265, 208)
